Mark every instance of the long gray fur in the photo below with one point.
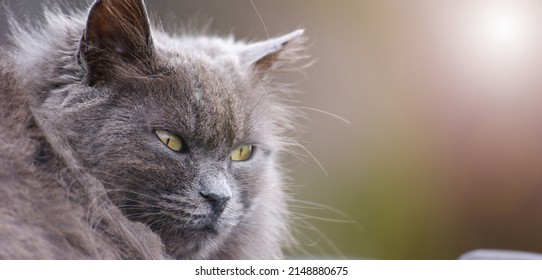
(82, 174)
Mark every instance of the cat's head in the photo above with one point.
(183, 132)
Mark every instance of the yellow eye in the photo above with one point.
(171, 140)
(242, 153)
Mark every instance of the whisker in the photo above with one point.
(261, 19)
(312, 156)
(131, 179)
(320, 206)
(323, 237)
(309, 242)
(161, 220)
(326, 113)
(303, 215)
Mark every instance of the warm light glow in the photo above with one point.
(493, 46)
(504, 28)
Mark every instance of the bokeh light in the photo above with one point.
(504, 28)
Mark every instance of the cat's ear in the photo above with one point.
(267, 56)
(115, 30)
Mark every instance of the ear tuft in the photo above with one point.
(274, 53)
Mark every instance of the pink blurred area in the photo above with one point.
(443, 153)
(444, 150)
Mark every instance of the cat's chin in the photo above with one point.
(199, 242)
(200, 227)
(210, 227)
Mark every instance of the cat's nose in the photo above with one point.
(217, 199)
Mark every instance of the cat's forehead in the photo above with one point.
(204, 95)
(206, 71)
(207, 51)
(201, 62)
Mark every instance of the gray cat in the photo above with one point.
(118, 140)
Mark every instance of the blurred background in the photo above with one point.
(442, 151)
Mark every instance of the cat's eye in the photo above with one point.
(171, 140)
(242, 153)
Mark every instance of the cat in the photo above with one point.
(121, 141)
